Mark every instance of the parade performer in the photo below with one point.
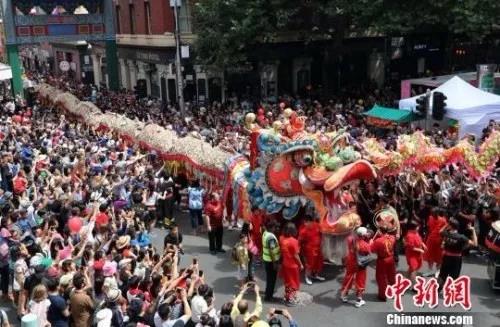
(357, 245)
(434, 254)
(414, 249)
(454, 243)
(310, 245)
(385, 271)
(271, 255)
(291, 263)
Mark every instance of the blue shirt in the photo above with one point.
(195, 198)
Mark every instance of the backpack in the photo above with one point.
(195, 198)
(234, 253)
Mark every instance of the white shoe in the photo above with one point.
(344, 299)
(320, 278)
(308, 281)
(428, 273)
(359, 303)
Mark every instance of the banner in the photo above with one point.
(486, 77)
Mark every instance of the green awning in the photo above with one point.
(394, 115)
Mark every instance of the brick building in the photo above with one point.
(146, 50)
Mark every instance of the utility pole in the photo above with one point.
(178, 69)
(428, 113)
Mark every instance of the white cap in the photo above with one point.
(361, 231)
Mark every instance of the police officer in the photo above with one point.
(271, 255)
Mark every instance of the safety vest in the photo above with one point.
(266, 251)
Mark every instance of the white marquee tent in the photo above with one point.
(470, 106)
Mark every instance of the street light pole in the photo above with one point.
(178, 70)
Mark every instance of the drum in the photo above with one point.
(388, 218)
(493, 238)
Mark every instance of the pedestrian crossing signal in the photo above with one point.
(422, 105)
(438, 105)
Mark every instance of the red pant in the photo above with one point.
(356, 275)
(385, 274)
(313, 262)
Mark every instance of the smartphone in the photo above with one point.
(195, 261)
(278, 312)
(200, 273)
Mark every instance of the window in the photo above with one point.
(131, 11)
(185, 17)
(147, 16)
(118, 17)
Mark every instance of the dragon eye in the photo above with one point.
(303, 159)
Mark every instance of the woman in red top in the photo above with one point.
(20, 183)
(291, 264)
(214, 213)
(310, 244)
(414, 249)
(354, 274)
(435, 224)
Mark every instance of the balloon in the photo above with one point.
(75, 224)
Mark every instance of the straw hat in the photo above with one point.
(122, 242)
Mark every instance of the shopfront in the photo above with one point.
(149, 67)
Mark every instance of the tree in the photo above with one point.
(471, 18)
(228, 29)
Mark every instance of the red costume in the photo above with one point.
(355, 274)
(434, 252)
(255, 233)
(413, 258)
(290, 269)
(310, 244)
(385, 272)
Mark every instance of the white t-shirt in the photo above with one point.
(40, 309)
(198, 307)
(169, 323)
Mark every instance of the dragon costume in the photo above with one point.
(289, 169)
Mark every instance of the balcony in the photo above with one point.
(159, 41)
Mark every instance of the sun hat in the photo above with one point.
(122, 242)
(113, 295)
(66, 280)
(109, 268)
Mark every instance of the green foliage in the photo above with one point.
(471, 18)
(228, 29)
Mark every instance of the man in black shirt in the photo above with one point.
(454, 243)
(174, 237)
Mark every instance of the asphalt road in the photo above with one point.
(326, 309)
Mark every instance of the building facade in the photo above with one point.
(146, 50)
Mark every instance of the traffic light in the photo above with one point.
(422, 105)
(438, 105)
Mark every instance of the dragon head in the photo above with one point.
(309, 170)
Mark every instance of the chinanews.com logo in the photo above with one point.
(455, 292)
(421, 319)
